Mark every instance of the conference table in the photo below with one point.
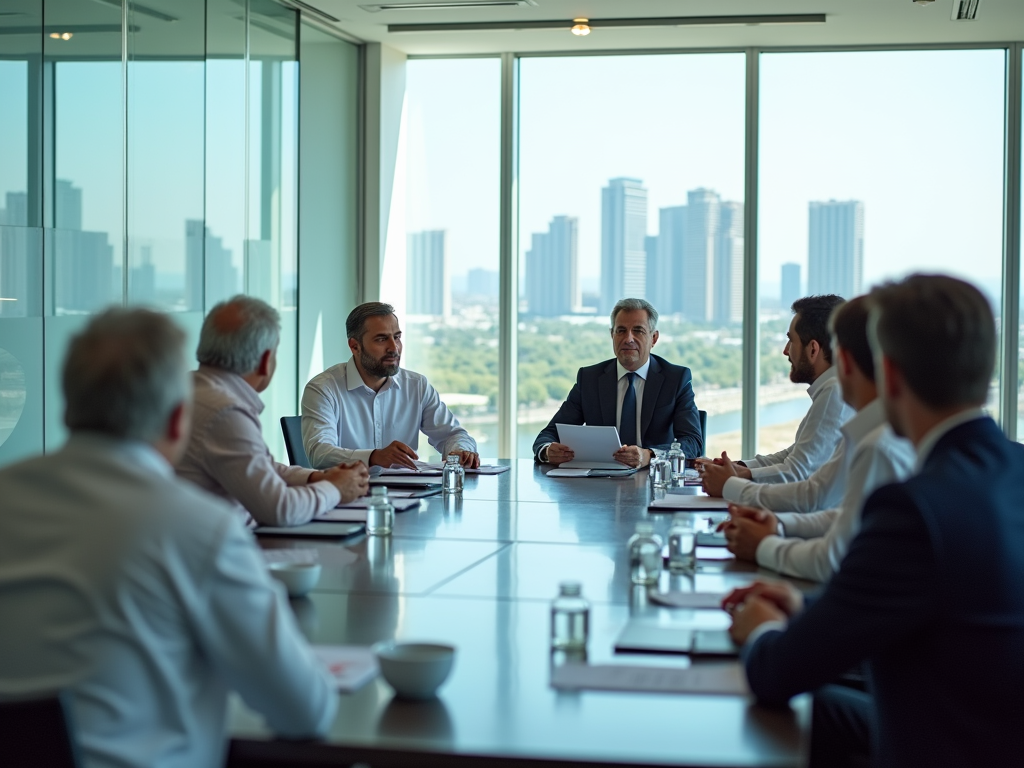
(479, 572)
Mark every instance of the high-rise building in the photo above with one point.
(210, 273)
(142, 286)
(672, 224)
(835, 251)
(482, 282)
(21, 260)
(728, 275)
(703, 211)
(428, 287)
(552, 279)
(653, 270)
(67, 205)
(83, 262)
(623, 229)
(790, 285)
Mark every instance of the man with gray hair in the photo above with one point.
(649, 399)
(139, 597)
(227, 455)
(371, 409)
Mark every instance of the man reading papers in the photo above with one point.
(649, 399)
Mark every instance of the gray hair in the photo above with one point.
(124, 375)
(628, 305)
(355, 325)
(237, 332)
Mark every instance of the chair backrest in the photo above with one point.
(703, 430)
(36, 732)
(291, 426)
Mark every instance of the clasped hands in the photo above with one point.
(761, 602)
(714, 473)
(630, 455)
(352, 479)
(401, 455)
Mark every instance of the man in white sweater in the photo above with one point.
(812, 546)
(810, 356)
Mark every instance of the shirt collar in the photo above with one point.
(353, 380)
(234, 383)
(865, 421)
(936, 433)
(819, 383)
(641, 371)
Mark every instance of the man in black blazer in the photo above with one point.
(655, 396)
(930, 593)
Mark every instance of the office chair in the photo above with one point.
(36, 732)
(291, 426)
(703, 430)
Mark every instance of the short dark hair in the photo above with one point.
(355, 325)
(812, 314)
(849, 326)
(940, 333)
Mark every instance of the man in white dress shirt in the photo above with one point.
(811, 546)
(227, 455)
(810, 357)
(370, 409)
(141, 598)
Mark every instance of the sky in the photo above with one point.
(916, 136)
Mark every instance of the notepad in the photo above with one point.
(437, 468)
(676, 599)
(641, 636)
(570, 472)
(351, 666)
(721, 679)
(355, 511)
(698, 503)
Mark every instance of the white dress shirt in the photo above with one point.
(345, 420)
(638, 387)
(146, 601)
(815, 544)
(822, 490)
(816, 437)
(227, 456)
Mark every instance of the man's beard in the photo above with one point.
(803, 371)
(376, 367)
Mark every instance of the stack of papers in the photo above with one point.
(721, 679)
(355, 511)
(572, 472)
(699, 503)
(677, 599)
(351, 666)
(437, 468)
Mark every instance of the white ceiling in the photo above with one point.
(850, 22)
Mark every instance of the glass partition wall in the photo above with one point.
(147, 156)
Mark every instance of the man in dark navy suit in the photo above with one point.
(931, 592)
(647, 398)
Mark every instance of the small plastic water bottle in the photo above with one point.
(380, 514)
(644, 555)
(677, 459)
(570, 619)
(454, 476)
(659, 471)
(682, 537)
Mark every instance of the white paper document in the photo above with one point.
(676, 599)
(701, 503)
(351, 666)
(411, 479)
(437, 468)
(593, 447)
(355, 511)
(721, 679)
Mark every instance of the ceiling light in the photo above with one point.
(580, 27)
(923, 2)
(663, 21)
(61, 35)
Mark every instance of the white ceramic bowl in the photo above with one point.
(414, 670)
(298, 578)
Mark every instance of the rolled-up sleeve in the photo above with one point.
(235, 455)
(321, 429)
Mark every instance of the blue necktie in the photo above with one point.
(627, 422)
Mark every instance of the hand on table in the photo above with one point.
(559, 453)
(468, 459)
(630, 455)
(397, 453)
(761, 602)
(746, 528)
(715, 473)
(352, 480)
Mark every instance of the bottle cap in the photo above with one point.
(570, 588)
(644, 526)
(453, 458)
(379, 490)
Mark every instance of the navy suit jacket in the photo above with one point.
(667, 413)
(931, 595)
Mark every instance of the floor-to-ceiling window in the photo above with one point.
(873, 165)
(441, 267)
(631, 185)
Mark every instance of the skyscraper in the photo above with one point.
(83, 261)
(623, 229)
(665, 261)
(552, 278)
(702, 220)
(790, 284)
(428, 287)
(482, 282)
(21, 260)
(728, 288)
(835, 250)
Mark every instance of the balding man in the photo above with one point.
(227, 455)
(140, 597)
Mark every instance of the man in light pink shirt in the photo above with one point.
(226, 454)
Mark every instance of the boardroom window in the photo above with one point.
(441, 263)
(631, 185)
(873, 165)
